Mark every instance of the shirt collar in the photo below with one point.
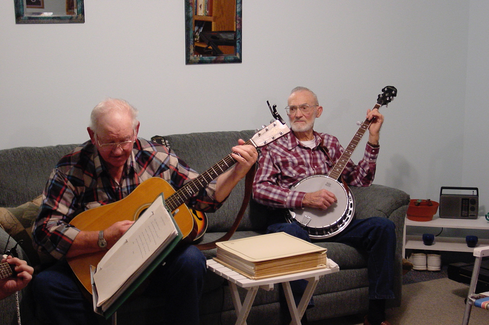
(293, 142)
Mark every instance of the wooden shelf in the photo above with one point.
(203, 18)
(450, 244)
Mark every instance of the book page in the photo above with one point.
(148, 236)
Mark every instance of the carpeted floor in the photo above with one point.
(421, 276)
(427, 298)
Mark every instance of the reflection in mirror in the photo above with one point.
(49, 11)
(212, 31)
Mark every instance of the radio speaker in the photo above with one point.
(459, 202)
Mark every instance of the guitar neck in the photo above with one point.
(345, 157)
(194, 186)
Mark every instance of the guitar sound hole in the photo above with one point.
(140, 213)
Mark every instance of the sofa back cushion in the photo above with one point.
(25, 171)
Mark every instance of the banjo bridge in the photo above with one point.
(305, 220)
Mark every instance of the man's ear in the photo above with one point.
(91, 134)
(136, 130)
(319, 111)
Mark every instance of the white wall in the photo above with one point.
(432, 51)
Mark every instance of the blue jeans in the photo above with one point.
(179, 281)
(376, 236)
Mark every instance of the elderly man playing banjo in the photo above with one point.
(304, 153)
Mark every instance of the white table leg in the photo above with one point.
(296, 312)
(242, 310)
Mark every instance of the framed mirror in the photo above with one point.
(212, 31)
(49, 11)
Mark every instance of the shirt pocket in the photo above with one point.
(293, 170)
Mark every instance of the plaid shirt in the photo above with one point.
(285, 162)
(80, 181)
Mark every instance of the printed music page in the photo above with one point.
(133, 252)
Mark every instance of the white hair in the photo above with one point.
(108, 105)
(300, 88)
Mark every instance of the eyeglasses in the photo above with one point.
(305, 109)
(124, 145)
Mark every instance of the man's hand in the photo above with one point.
(86, 242)
(245, 156)
(114, 232)
(374, 130)
(18, 281)
(321, 199)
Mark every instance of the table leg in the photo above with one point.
(242, 310)
(296, 312)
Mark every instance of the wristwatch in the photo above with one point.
(102, 243)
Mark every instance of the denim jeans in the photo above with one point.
(376, 236)
(179, 281)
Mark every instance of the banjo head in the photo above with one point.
(322, 224)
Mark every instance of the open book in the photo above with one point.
(134, 256)
(270, 255)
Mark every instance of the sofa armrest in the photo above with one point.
(380, 201)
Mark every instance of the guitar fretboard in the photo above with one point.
(194, 186)
(5, 270)
(335, 173)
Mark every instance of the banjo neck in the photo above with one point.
(335, 173)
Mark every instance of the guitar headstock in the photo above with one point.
(269, 133)
(387, 96)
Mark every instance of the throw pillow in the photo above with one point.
(17, 222)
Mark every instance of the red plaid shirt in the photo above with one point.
(285, 162)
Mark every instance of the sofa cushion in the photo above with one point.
(17, 222)
(25, 170)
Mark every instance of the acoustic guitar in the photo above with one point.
(323, 224)
(132, 206)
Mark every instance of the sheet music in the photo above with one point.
(148, 236)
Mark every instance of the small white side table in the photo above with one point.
(242, 309)
(451, 244)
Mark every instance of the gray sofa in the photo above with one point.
(24, 171)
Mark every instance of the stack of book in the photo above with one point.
(270, 255)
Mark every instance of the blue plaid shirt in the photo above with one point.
(80, 181)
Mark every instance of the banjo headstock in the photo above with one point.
(387, 96)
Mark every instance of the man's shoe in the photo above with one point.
(366, 322)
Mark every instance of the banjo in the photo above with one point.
(322, 224)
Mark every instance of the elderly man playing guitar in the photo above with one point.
(106, 169)
(304, 153)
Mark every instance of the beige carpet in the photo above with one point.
(435, 302)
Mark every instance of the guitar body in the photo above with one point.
(322, 224)
(129, 208)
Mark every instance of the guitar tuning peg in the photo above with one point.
(359, 123)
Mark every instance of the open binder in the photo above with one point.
(131, 260)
